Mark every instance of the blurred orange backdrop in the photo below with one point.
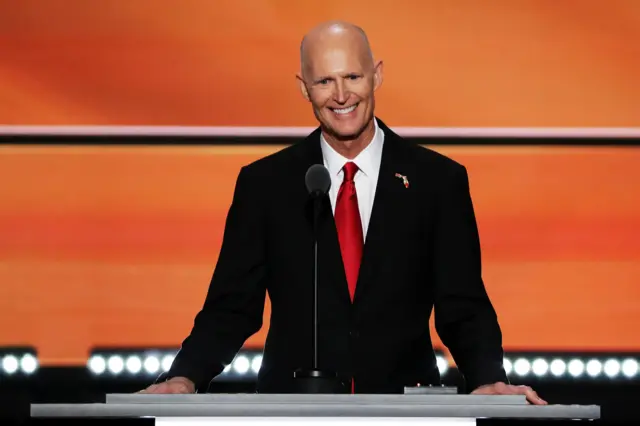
(115, 246)
(531, 63)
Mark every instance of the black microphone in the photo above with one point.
(314, 380)
(318, 182)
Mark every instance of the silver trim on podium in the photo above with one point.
(287, 409)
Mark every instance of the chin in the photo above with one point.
(346, 130)
(344, 134)
(353, 131)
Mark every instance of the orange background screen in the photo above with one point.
(531, 63)
(115, 246)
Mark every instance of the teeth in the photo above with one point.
(345, 110)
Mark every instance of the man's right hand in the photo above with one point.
(178, 385)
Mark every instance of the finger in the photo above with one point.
(533, 397)
(154, 389)
(521, 390)
(530, 394)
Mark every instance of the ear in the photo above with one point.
(303, 86)
(378, 75)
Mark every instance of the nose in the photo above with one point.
(341, 93)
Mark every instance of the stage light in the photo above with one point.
(540, 367)
(507, 365)
(167, 361)
(152, 364)
(522, 367)
(442, 363)
(115, 364)
(28, 363)
(576, 367)
(10, 364)
(612, 368)
(558, 367)
(18, 361)
(241, 364)
(630, 367)
(97, 364)
(134, 364)
(256, 363)
(594, 368)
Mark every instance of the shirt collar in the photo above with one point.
(368, 161)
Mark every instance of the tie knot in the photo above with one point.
(350, 170)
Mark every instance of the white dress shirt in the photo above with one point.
(366, 178)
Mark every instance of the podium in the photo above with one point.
(317, 410)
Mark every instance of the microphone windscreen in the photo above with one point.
(317, 179)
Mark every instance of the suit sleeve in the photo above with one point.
(464, 316)
(234, 304)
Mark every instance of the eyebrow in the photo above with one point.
(319, 79)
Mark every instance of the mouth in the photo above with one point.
(343, 111)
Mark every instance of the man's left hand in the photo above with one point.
(501, 388)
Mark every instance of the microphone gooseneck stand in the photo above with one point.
(315, 379)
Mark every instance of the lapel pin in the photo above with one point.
(404, 179)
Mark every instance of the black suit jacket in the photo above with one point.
(422, 251)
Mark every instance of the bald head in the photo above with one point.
(334, 34)
(338, 76)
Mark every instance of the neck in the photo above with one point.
(351, 147)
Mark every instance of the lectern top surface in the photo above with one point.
(359, 399)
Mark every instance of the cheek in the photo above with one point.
(319, 99)
(363, 89)
(364, 93)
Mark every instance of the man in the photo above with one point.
(411, 205)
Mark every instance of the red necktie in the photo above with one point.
(347, 217)
(349, 225)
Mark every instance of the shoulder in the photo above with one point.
(273, 163)
(426, 161)
(276, 167)
(431, 160)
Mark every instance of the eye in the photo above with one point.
(353, 77)
(323, 82)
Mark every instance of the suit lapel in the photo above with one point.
(390, 194)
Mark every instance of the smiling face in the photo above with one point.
(339, 78)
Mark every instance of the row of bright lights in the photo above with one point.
(15, 364)
(132, 364)
(115, 364)
(576, 368)
(242, 365)
(246, 364)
